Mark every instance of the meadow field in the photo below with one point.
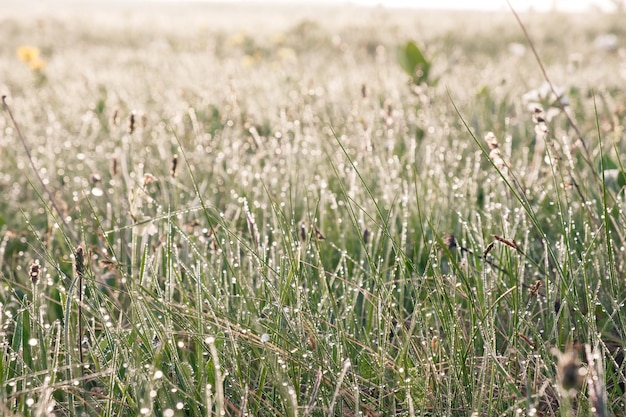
(291, 210)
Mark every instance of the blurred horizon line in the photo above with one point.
(461, 5)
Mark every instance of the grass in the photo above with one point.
(289, 227)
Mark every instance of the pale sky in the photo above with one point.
(519, 5)
(569, 5)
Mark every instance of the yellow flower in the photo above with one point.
(31, 56)
(28, 53)
(37, 64)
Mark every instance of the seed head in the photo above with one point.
(449, 241)
(569, 370)
(115, 117)
(491, 140)
(79, 261)
(34, 272)
(488, 249)
(318, 234)
(302, 232)
(113, 168)
(174, 166)
(131, 123)
(366, 236)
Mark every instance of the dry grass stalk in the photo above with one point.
(527, 340)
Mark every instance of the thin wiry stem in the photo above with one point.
(559, 103)
(41, 181)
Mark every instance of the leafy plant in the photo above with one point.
(415, 64)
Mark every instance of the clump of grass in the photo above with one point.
(321, 242)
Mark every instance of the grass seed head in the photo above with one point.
(366, 236)
(148, 179)
(318, 234)
(174, 166)
(131, 123)
(302, 233)
(449, 241)
(570, 372)
(488, 249)
(34, 272)
(79, 261)
(508, 242)
(114, 167)
(491, 140)
(534, 290)
(115, 117)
